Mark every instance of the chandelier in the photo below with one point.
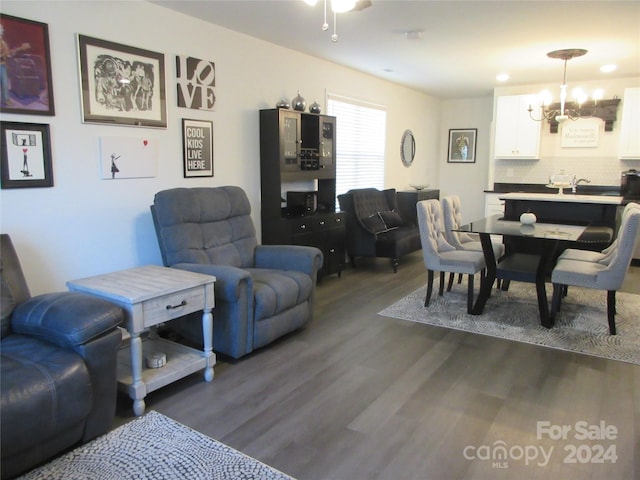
(579, 108)
(337, 6)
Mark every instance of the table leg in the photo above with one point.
(207, 334)
(487, 284)
(138, 389)
(541, 273)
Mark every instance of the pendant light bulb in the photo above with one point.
(334, 37)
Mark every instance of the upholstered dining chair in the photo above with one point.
(440, 256)
(605, 255)
(606, 273)
(452, 216)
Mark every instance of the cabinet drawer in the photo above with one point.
(301, 225)
(172, 305)
(324, 222)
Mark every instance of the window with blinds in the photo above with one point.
(360, 143)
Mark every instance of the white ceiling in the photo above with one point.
(464, 46)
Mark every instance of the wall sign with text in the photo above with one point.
(196, 83)
(197, 139)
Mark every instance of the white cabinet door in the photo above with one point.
(493, 205)
(630, 126)
(517, 135)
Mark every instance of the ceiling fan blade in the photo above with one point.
(361, 5)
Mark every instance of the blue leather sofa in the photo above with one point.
(262, 292)
(58, 357)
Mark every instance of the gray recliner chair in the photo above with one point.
(261, 292)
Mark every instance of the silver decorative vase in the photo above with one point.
(299, 103)
(315, 107)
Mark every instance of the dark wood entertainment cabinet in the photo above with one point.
(298, 148)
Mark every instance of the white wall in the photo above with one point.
(84, 225)
(467, 180)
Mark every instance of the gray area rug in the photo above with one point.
(155, 447)
(581, 325)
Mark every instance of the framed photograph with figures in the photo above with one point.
(25, 69)
(462, 145)
(26, 155)
(121, 85)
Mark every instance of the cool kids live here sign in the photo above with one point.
(198, 151)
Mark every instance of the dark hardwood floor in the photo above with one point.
(355, 395)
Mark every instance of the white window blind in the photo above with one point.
(360, 143)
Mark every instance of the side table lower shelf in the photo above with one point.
(181, 361)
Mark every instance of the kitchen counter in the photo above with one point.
(583, 188)
(566, 198)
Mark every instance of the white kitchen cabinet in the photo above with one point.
(493, 205)
(630, 125)
(517, 136)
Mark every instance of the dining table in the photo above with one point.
(517, 266)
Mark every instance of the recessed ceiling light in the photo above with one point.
(388, 70)
(413, 34)
(502, 77)
(608, 68)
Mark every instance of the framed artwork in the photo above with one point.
(121, 85)
(25, 69)
(26, 155)
(197, 141)
(128, 157)
(462, 145)
(196, 81)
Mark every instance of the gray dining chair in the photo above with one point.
(440, 256)
(605, 255)
(452, 216)
(607, 273)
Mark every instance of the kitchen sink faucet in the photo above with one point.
(575, 183)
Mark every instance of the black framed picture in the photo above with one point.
(25, 69)
(462, 145)
(197, 141)
(26, 155)
(121, 85)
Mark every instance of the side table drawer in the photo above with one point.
(173, 305)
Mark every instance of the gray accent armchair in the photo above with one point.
(262, 292)
(58, 368)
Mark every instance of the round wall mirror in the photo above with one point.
(407, 148)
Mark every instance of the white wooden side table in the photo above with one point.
(151, 295)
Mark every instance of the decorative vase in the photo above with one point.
(315, 107)
(283, 103)
(528, 218)
(299, 103)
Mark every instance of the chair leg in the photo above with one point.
(441, 291)
(450, 283)
(470, 294)
(394, 264)
(555, 302)
(611, 311)
(352, 259)
(459, 278)
(565, 290)
(505, 285)
(427, 299)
